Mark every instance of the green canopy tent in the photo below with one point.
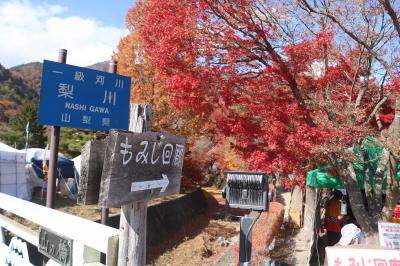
(318, 178)
(370, 150)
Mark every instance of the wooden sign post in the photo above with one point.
(142, 166)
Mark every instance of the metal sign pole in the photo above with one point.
(245, 242)
(112, 68)
(246, 224)
(55, 139)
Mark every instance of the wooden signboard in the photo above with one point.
(140, 167)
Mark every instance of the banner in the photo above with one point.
(361, 256)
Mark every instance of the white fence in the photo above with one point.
(90, 239)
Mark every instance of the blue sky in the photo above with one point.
(108, 12)
(34, 30)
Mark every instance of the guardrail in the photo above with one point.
(90, 239)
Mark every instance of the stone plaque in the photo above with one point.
(56, 247)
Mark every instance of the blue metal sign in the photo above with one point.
(79, 97)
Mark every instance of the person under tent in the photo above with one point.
(333, 218)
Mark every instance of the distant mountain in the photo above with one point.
(30, 74)
(14, 92)
(101, 66)
(4, 74)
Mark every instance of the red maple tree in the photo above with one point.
(218, 58)
(286, 106)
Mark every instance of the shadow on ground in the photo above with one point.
(201, 240)
(187, 232)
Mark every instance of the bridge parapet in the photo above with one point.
(90, 239)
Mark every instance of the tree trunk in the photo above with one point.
(366, 219)
(392, 191)
(393, 145)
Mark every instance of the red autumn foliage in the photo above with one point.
(284, 108)
(145, 88)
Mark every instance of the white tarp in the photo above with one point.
(13, 179)
(4, 147)
(77, 164)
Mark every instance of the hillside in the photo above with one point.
(30, 74)
(101, 66)
(14, 91)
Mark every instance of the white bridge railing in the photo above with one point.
(90, 239)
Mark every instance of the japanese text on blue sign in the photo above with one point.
(79, 97)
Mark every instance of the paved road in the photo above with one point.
(291, 247)
(226, 259)
(290, 242)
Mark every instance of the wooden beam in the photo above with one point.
(133, 221)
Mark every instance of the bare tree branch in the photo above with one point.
(286, 73)
(364, 83)
(388, 7)
(376, 109)
(370, 49)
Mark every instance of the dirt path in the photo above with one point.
(210, 239)
(214, 240)
(206, 241)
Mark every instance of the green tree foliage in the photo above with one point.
(17, 135)
(72, 141)
(14, 91)
(19, 89)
